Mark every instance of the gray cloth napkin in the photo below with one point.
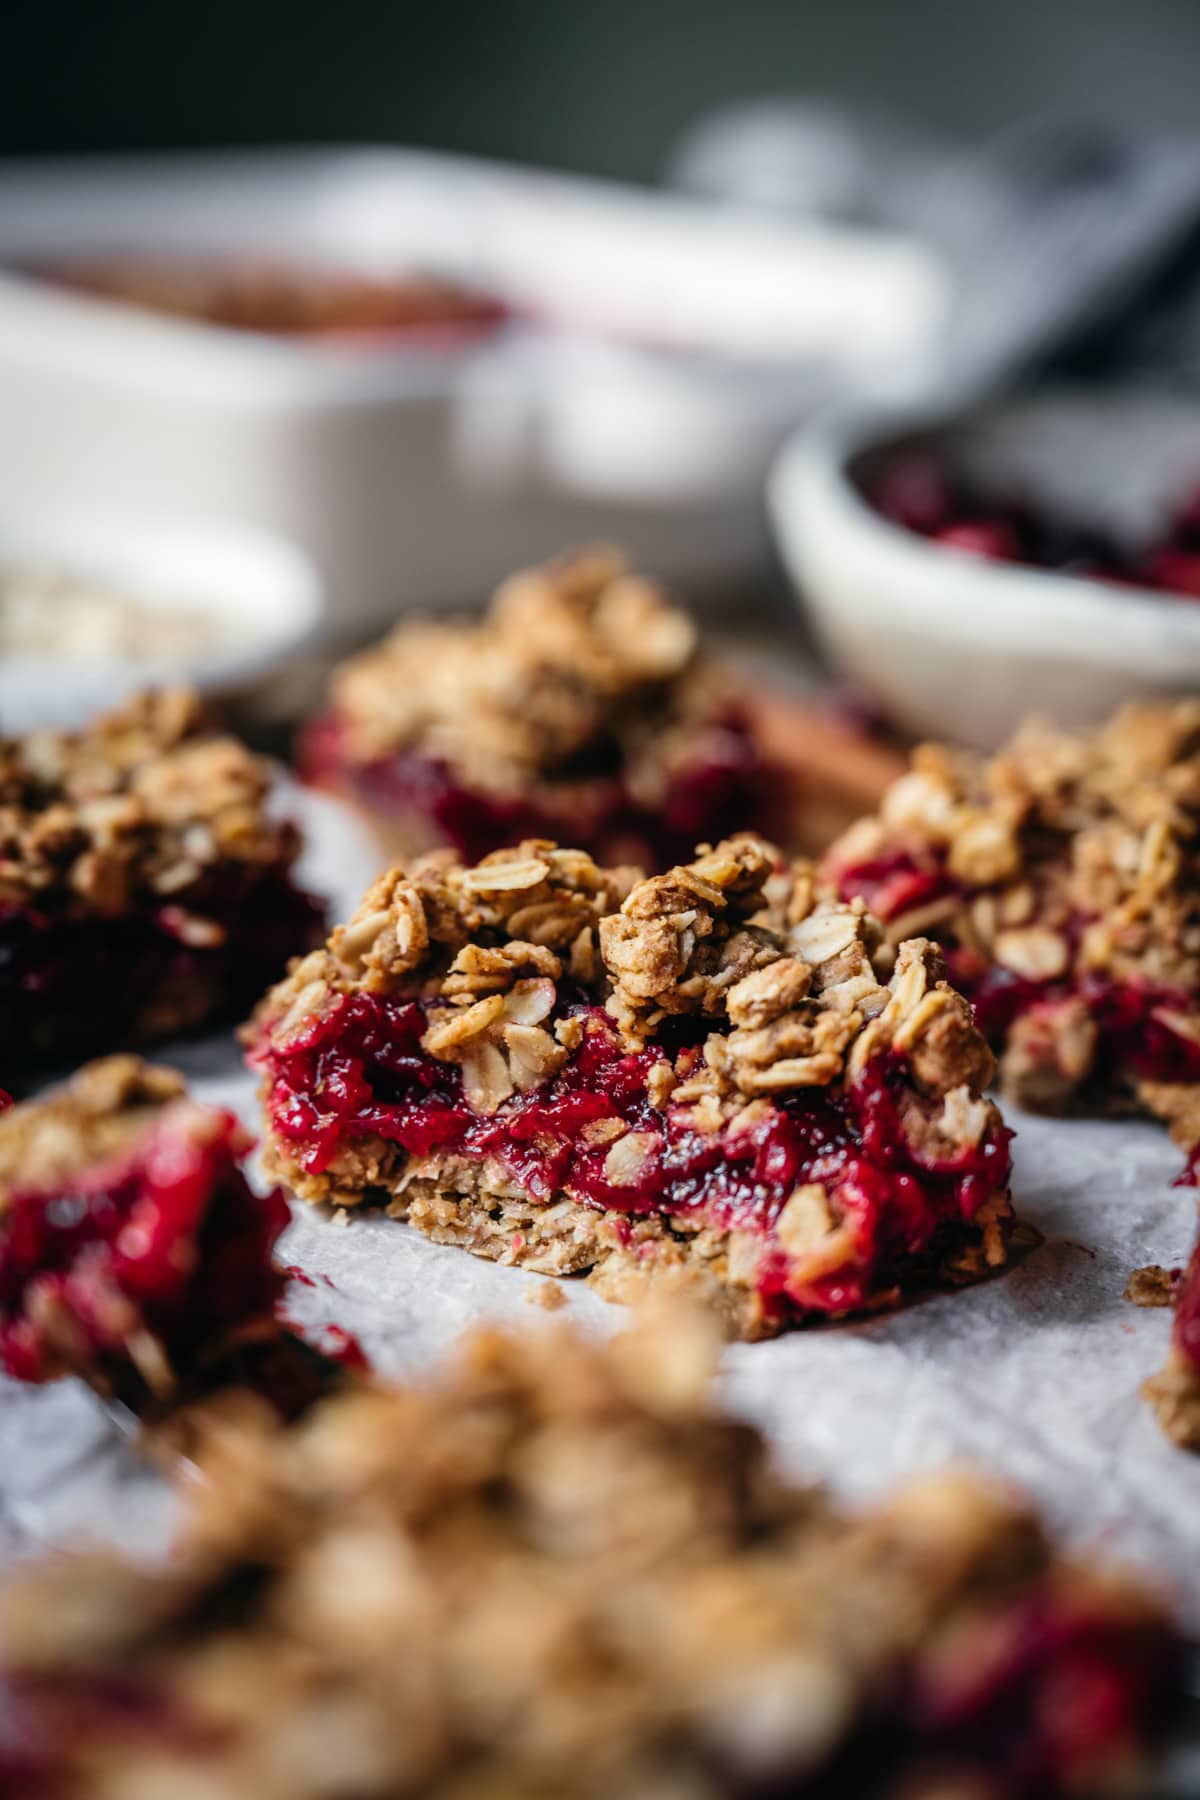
(1071, 245)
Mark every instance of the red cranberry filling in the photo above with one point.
(721, 788)
(360, 1071)
(1135, 1034)
(1050, 1688)
(69, 985)
(168, 1231)
(919, 493)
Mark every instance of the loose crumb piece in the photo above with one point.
(546, 1294)
(1152, 1286)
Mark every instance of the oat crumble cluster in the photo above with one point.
(579, 706)
(132, 1249)
(700, 1076)
(145, 887)
(1062, 877)
(554, 1570)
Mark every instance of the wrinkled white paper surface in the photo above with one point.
(1034, 1375)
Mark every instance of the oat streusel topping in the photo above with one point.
(1060, 828)
(575, 654)
(1063, 878)
(95, 1115)
(1066, 856)
(447, 932)
(554, 1570)
(140, 805)
(793, 1004)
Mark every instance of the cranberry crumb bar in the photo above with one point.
(1174, 1393)
(145, 889)
(565, 1067)
(1062, 878)
(554, 1571)
(132, 1249)
(580, 708)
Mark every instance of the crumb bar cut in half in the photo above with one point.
(553, 1570)
(569, 1068)
(580, 708)
(1062, 879)
(145, 887)
(133, 1252)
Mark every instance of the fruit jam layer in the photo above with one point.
(723, 788)
(167, 1235)
(69, 987)
(360, 1072)
(1135, 1034)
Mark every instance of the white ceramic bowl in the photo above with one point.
(264, 597)
(957, 646)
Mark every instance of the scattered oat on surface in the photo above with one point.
(546, 1294)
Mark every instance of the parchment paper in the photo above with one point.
(1034, 1375)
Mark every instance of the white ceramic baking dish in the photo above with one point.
(958, 646)
(666, 349)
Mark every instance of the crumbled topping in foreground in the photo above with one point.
(555, 1570)
(141, 804)
(578, 653)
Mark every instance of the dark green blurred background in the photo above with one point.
(605, 87)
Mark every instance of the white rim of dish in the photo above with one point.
(809, 490)
(144, 554)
